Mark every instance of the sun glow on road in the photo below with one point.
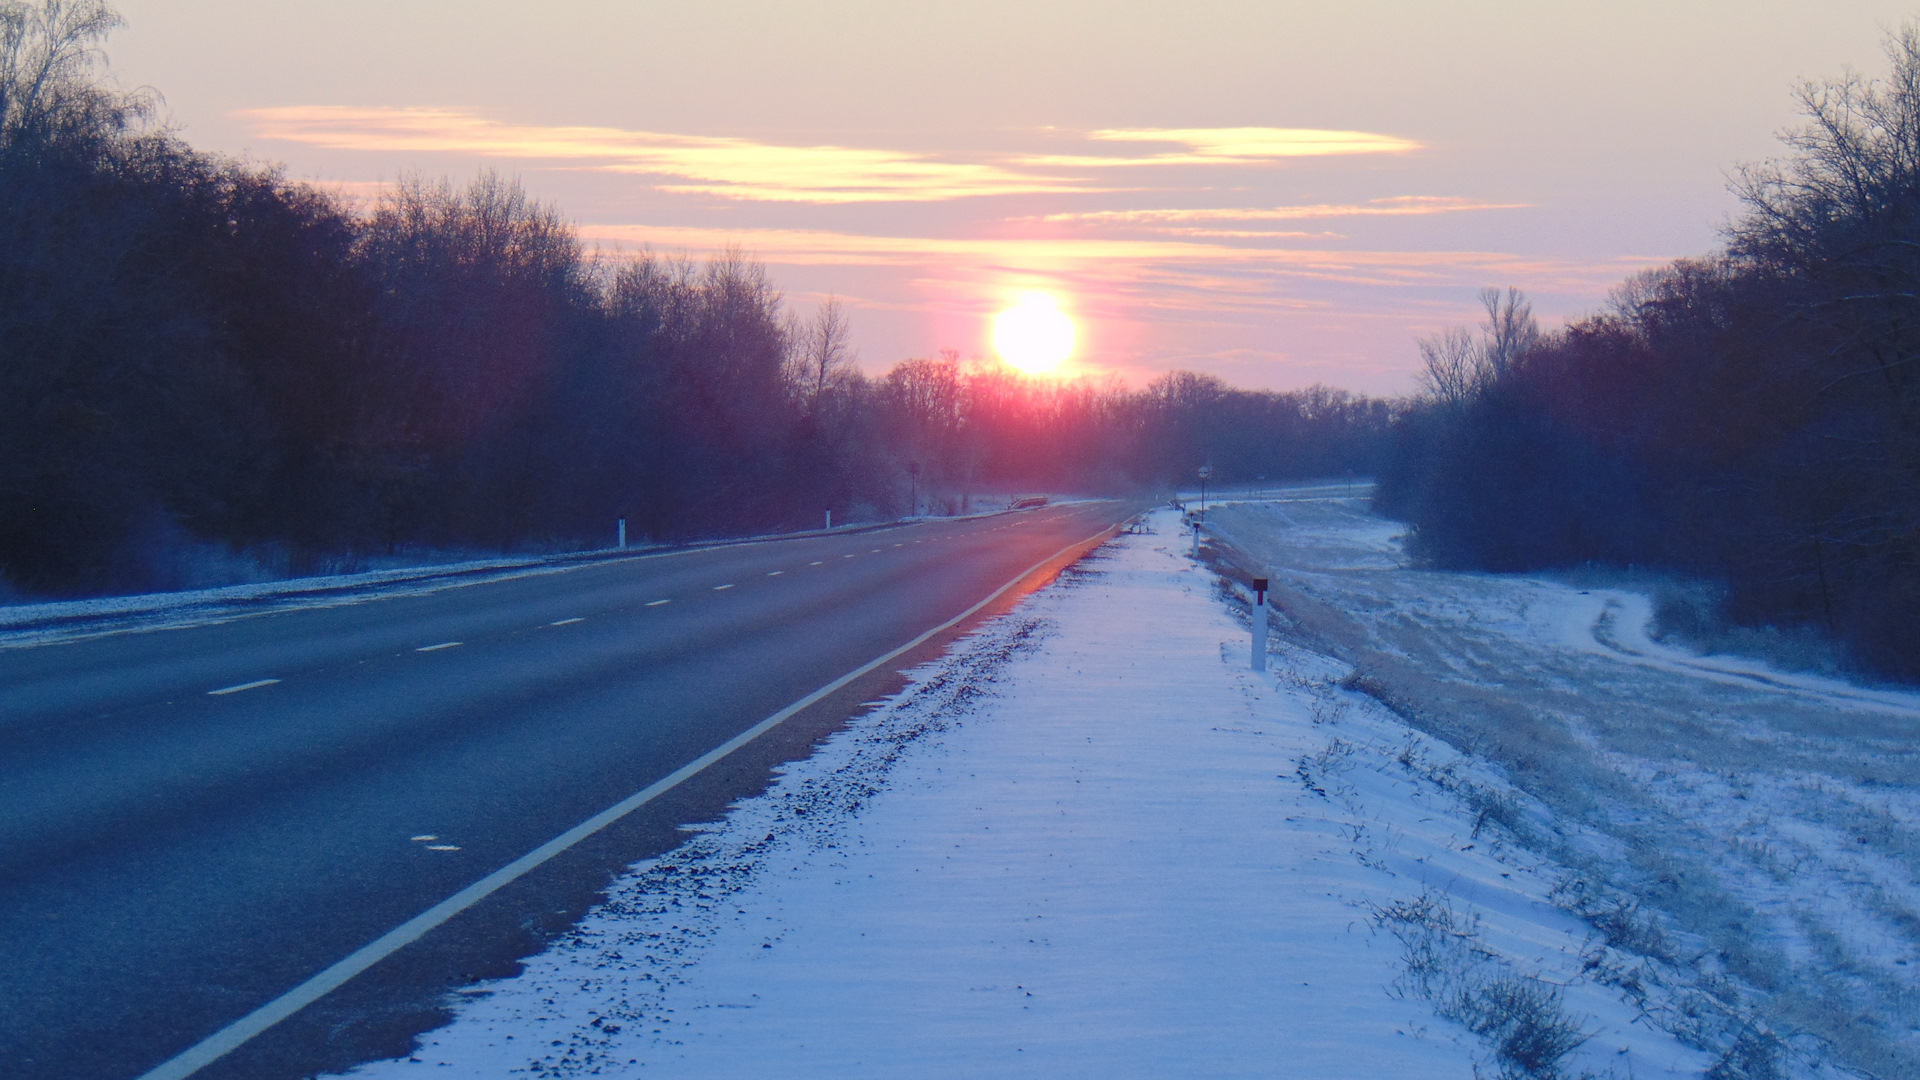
(1034, 335)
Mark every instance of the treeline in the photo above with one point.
(206, 367)
(1752, 417)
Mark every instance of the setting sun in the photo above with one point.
(1034, 335)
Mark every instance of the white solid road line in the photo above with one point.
(567, 622)
(437, 648)
(254, 685)
(220, 1043)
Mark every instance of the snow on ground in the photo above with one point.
(1090, 842)
(1743, 837)
(45, 623)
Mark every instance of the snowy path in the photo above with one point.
(1087, 843)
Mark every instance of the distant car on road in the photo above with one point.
(1029, 502)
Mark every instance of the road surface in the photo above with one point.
(194, 822)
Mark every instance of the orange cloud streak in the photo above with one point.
(746, 169)
(1229, 146)
(729, 168)
(1397, 206)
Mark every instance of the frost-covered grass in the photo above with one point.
(1742, 837)
(1090, 842)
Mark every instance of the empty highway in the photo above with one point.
(196, 822)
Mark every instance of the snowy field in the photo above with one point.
(1089, 842)
(1742, 838)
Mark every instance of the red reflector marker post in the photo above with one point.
(1259, 624)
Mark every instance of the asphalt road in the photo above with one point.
(172, 857)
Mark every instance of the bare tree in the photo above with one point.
(1839, 216)
(1456, 364)
(1451, 365)
(49, 56)
(1509, 330)
(823, 356)
(923, 397)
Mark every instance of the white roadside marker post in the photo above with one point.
(829, 519)
(622, 530)
(1259, 624)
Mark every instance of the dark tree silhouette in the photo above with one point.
(1751, 418)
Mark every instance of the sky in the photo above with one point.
(1277, 193)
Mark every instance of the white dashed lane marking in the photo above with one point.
(257, 683)
(254, 685)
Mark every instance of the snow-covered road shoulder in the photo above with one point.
(1087, 842)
